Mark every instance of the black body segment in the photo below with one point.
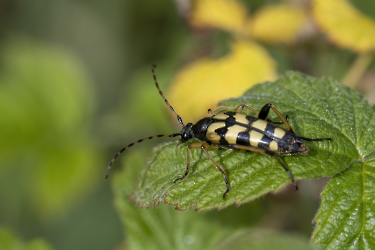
(235, 130)
(243, 138)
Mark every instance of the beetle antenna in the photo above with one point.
(165, 99)
(317, 139)
(132, 144)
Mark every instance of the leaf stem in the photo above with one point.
(357, 70)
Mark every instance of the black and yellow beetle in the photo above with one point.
(235, 130)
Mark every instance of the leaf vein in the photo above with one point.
(335, 201)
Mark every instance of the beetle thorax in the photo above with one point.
(200, 128)
(197, 130)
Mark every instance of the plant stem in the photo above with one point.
(357, 70)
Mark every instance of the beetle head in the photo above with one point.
(186, 133)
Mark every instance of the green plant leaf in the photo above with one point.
(164, 227)
(317, 108)
(9, 242)
(45, 103)
(260, 239)
(345, 219)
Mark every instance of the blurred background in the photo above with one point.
(76, 86)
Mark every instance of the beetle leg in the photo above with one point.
(260, 115)
(240, 108)
(187, 163)
(209, 113)
(287, 170)
(247, 148)
(279, 123)
(209, 147)
(205, 148)
(264, 113)
(262, 151)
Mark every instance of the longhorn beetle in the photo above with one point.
(235, 130)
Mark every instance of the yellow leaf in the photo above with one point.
(223, 14)
(278, 23)
(202, 84)
(345, 25)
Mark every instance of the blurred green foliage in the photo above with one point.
(9, 242)
(45, 106)
(76, 86)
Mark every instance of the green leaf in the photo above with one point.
(167, 228)
(162, 228)
(9, 242)
(345, 219)
(46, 154)
(317, 108)
(261, 239)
